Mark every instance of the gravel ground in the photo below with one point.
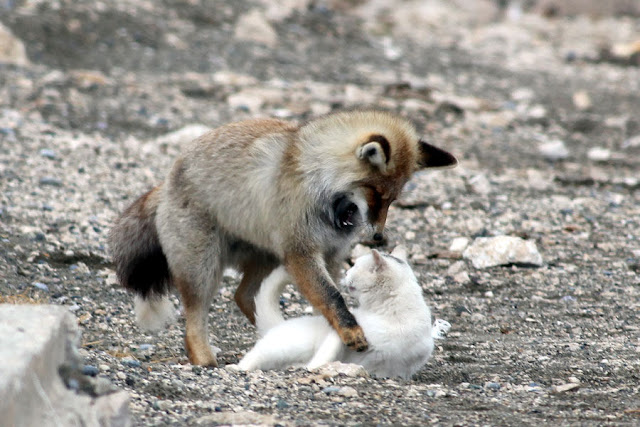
(541, 110)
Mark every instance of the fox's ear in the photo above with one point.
(400, 252)
(375, 151)
(434, 157)
(379, 263)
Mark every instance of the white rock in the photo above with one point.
(12, 49)
(462, 277)
(563, 388)
(334, 369)
(253, 99)
(456, 268)
(487, 252)
(480, 184)
(582, 100)
(459, 244)
(634, 141)
(175, 139)
(537, 112)
(236, 418)
(553, 150)
(282, 9)
(523, 94)
(254, 27)
(539, 180)
(347, 392)
(599, 154)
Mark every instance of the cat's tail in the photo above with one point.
(267, 300)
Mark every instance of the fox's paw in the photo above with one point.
(234, 368)
(354, 338)
(440, 329)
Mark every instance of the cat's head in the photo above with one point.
(378, 276)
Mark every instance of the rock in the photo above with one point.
(523, 94)
(480, 184)
(340, 391)
(236, 418)
(487, 252)
(553, 150)
(50, 181)
(582, 100)
(39, 361)
(48, 153)
(632, 142)
(599, 154)
(539, 180)
(41, 286)
(336, 368)
(12, 50)
(176, 139)
(462, 277)
(456, 267)
(280, 10)
(563, 388)
(253, 99)
(253, 27)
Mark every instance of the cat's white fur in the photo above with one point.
(392, 312)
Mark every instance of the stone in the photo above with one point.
(254, 27)
(12, 50)
(480, 184)
(336, 368)
(563, 388)
(236, 418)
(582, 100)
(553, 150)
(599, 154)
(36, 341)
(462, 277)
(487, 252)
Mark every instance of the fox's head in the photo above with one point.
(364, 159)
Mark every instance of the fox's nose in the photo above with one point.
(378, 237)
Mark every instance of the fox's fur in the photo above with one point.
(392, 312)
(262, 193)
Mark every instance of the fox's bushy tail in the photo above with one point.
(268, 313)
(140, 264)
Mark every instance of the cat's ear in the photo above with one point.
(379, 263)
(400, 252)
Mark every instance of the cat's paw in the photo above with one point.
(440, 329)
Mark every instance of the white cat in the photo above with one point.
(392, 312)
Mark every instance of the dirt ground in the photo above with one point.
(540, 104)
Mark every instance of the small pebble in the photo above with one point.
(50, 181)
(553, 150)
(41, 286)
(48, 153)
(90, 370)
(133, 363)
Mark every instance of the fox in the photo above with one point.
(391, 310)
(258, 194)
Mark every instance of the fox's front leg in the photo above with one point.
(310, 274)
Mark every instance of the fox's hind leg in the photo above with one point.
(195, 251)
